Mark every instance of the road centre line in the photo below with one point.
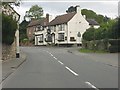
(71, 71)
(91, 85)
(88, 83)
(60, 62)
(55, 58)
(51, 54)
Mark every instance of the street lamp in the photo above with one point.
(17, 43)
(17, 38)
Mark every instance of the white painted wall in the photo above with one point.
(75, 25)
(44, 32)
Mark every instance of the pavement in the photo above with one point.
(9, 66)
(49, 67)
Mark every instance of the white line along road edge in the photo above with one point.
(71, 71)
(91, 85)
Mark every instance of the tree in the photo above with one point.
(71, 9)
(23, 29)
(89, 34)
(92, 15)
(16, 3)
(9, 27)
(35, 12)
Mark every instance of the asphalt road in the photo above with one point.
(57, 68)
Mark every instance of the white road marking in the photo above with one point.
(60, 62)
(51, 55)
(91, 85)
(55, 58)
(71, 71)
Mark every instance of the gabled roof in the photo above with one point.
(42, 22)
(62, 19)
(92, 22)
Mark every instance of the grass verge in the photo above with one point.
(91, 51)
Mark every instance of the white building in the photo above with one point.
(64, 29)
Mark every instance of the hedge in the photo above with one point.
(9, 27)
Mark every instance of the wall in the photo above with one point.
(97, 45)
(75, 25)
(44, 32)
(8, 51)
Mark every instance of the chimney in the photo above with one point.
(78, 10)
(47, 17)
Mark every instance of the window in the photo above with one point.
(61, 27)
(61, 37)
(72, 39)
(65, 37)
(39, 28)
(41, 38)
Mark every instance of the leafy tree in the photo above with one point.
(9, 27)
(108, 30)
(71, 9)
(89, 34)
(23, 29)
(92, 15)
(34, 12)
(89, 13)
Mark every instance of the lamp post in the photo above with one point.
(17, 43)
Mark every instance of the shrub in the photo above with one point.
(9, 27)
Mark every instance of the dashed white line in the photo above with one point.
(60, 62)
(71, 71)
(51, 55)
(55, 58)
(92, 86)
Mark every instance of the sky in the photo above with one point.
(54, 8)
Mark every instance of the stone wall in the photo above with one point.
(8, 51)
(111, 45)
(97, 45)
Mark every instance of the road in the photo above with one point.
(57, 68)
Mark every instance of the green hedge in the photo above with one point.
(115, 45)
(9, 27)
(111, 45)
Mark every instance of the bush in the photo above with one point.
(9, 27)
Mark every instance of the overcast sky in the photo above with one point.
(109, 8)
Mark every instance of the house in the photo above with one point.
(8, 10)
(64, 29)
(37, 26)
(40, 30)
